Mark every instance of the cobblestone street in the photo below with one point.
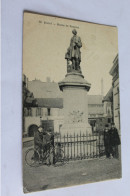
(72, 173)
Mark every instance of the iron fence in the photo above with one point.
(80, 146)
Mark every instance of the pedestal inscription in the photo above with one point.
(75, 104)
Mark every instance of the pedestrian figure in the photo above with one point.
(48, 142)
(107, 141)
(114, 141)
(38, 140)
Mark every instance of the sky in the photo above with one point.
(45, 42)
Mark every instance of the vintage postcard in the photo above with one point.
(71, 103)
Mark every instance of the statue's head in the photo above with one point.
(74, 31)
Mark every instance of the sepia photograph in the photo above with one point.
(71, 132)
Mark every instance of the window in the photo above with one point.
(109, 120)
(25, 112)
(29, 111)
(38, 112)
(48, 111)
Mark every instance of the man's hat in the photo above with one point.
(74, 31)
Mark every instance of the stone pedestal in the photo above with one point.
(75, 104)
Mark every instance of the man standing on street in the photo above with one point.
(48, 142)
(107, 141)
(114, 141)
(38, 139)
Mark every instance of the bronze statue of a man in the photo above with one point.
(73, 52)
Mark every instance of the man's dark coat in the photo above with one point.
(114, 137)
(106, 138)
(38, 139)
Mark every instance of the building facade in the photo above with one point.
(108, 107)
(95, 112)
(49, 108)
(49, 113)
(29, 103)
(114, 72)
